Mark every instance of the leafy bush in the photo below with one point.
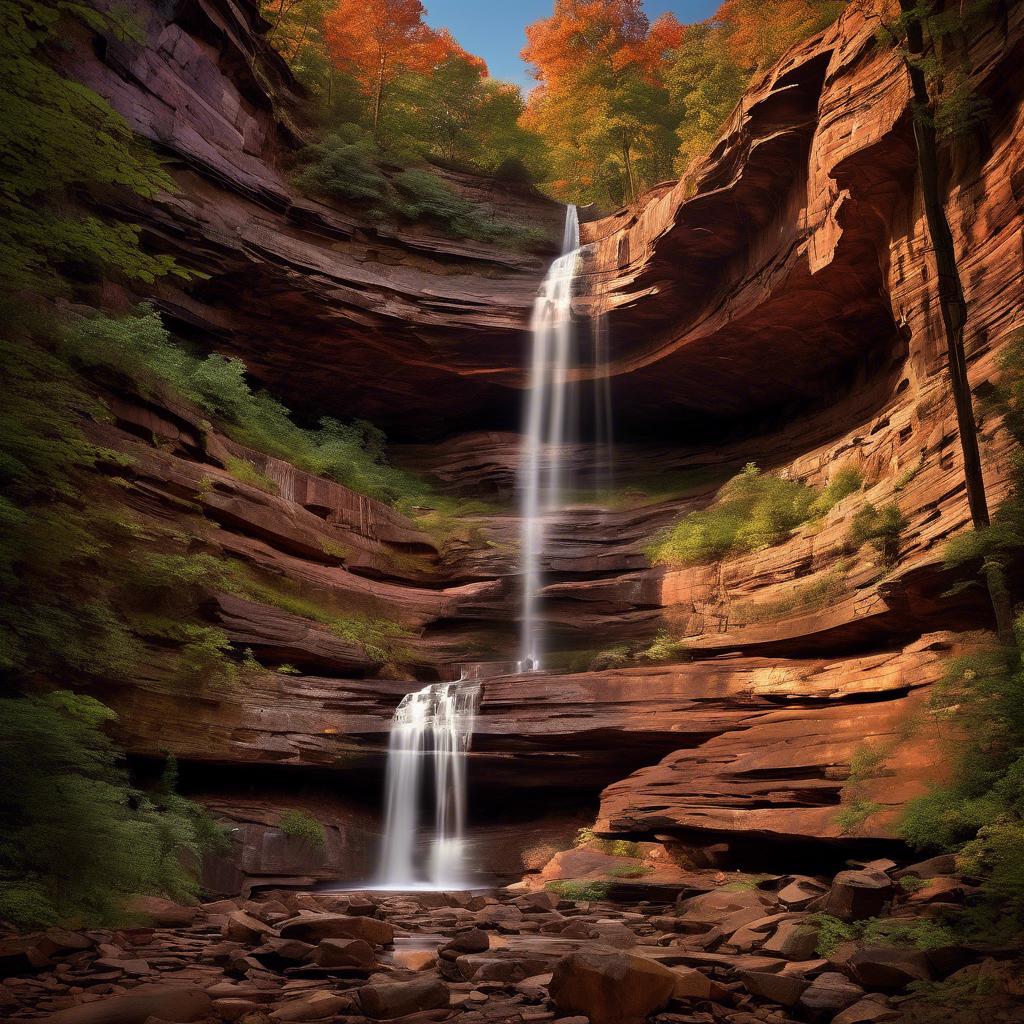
(580, 891)
(855, 813)
(75, 838)
(980, 812)
(881, 528)
(903, 933)
(664, 647)
(753, 510)
(847, 480)
(139, 349)
(342, 166)
(302, 827)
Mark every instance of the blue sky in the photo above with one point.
(494, 29)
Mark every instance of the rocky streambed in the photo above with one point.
(705, 948)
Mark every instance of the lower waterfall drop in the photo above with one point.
(431, 728)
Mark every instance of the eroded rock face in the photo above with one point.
(792, 271)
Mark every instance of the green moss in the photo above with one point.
(242, 469)
(380, 638)
(303, 828)
(580, 891)
(630, 871)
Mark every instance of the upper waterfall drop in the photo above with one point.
(548, 410)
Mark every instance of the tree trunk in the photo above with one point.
(630, 183)
(377, 93)
(953, 307)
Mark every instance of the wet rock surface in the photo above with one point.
(721, 953)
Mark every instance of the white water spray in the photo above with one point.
(431, 729)
(547, 412)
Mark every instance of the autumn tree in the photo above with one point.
(376, 41)
(759, 33)
(601, 104)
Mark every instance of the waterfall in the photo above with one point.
(547, 412)
(431, 729)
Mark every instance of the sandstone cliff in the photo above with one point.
(776, 307)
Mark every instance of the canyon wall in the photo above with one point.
(777, 306)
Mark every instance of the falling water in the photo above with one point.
(431, 729)
(547, 412)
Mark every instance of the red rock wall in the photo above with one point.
(777, 307)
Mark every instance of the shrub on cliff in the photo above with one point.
(138, 348)
(76, 838)
(980, 812)
(753, 510)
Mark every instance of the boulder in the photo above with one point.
(277, 951)
(243, 927)
(783, 989)
(20, 954)
(887, 969)
(169, 1002)
(943, 864)
(312, 1006)
(614, 933)
(399, 998)
(345, 953)
(611, 988)
(795, 940)
(473, 940)
(161, 912)
(691, 984)
(866, 1011)
(856, 895)
(316, 927)
(800, 891)
(829, 993)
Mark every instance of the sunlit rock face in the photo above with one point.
(777, 307)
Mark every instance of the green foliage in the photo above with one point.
(245, 471)
(343, 165)
(302, 827)
(882, 528)
(832, 933)
(378, 637)
(75, 838)
(980, 812)
(580, 892)
(664, 647)
(753, 510)
(346, 166)
(60, 144)
(903, 933)
(847, 480)
(912, 884)
(855, 813)
(137, 348)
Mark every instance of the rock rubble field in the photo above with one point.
(713, 947)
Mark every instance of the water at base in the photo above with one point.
(547, 413)
(430, 736)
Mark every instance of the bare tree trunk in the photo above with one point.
(953, 307)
